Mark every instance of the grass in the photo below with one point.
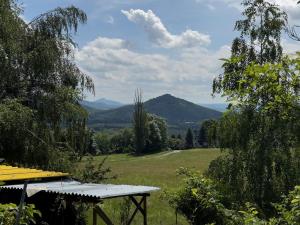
(155, 170)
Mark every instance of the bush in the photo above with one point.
(102, 140)
(94, 172)
(121, 141)
(201, 203)
(175, 143)
(8, 213)
(156, 138)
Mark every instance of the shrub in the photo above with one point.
(201, 203)
(8, 213)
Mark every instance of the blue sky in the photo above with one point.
(160, 46)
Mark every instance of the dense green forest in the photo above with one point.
(256, 179)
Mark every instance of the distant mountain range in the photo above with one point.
(219, 107)
(102, 104)
(178, 113)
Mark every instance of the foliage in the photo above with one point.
(189, 139)
(121, 141)
(200, 202)
(94, 172)
(15, 121)
(258, 43)
(175, 143)
(150, 131)
(103, 142)
(40, 87)
(289, 209)
(157, 134)
(263, 132)
(8, 213)
(261, 128)
(207, 136)
(139, 123)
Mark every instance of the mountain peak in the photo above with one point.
(166, 96)
(178, 112)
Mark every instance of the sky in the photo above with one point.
(159, 46)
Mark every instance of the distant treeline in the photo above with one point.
(123, 140)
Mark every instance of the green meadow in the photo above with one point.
(154, 170)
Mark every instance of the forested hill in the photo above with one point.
(176, 111)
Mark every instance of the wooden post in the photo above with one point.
(103, 216)
(140, 206)
(145, 210)
(20, 210)
(94, 215)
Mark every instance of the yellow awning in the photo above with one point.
(10, 173)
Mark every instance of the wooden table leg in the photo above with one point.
(145, 210)
(103, 216)
(94, 216)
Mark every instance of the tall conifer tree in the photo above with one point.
(139, 123)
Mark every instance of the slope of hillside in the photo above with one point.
(178, 113)
(102, 104)
(176, 110)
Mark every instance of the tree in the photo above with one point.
(259, 42)
(157, 133)
(261, 128)
(207, 133)
(103, 141)
(201, 202)
(139, 123)
(38, 76)
(175, 143)
(189, 139)
(123, 141)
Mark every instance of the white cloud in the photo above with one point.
(232, 3)
(292, 9)
(159, 34)
(118, 70)
(110, 20)
(211, 7)
(289, 47)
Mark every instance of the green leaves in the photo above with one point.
(59, 22)
(261, 130)
(201, 203)
(198, 200)
(8, 214)
(38, 72)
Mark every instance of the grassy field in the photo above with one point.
(155, 170)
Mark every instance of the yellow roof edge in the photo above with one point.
(8, 173)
